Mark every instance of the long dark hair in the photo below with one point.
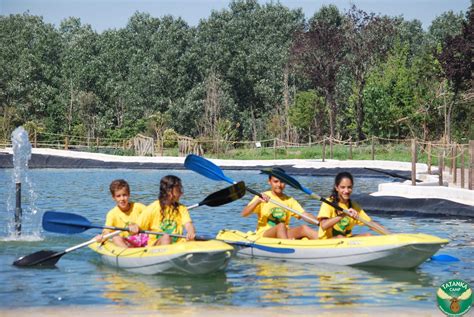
(167, 183)
(337, 181)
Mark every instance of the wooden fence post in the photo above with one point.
(471, 164)
(373, 149)
(66, 142)
(429, 157)
(462, 167)
(440, 168)
(413, 162)
(454, 163)
(35, 143)
(350, 150)
(324, 149)
(331, 148)
(274, 149)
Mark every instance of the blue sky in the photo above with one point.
(105, 14)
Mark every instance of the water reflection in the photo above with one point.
(159, 292)
(280, 283)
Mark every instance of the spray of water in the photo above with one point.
(30, 217)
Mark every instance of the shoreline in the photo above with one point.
(213, 311)
(427, 198)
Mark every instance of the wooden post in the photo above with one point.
(471, 164)
(66, 142)
(373, 149)
(428, 151)
(440, 168)
(331, 149)
(350, 150)
(324, 149)
(454, 163)
(274, 149)
(462, 167)
(97, 142)
(35, 143)
(413, 162)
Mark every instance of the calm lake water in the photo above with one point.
(80, 278)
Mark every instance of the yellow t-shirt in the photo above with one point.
(172, 222)
(345, 225)
(118, 218)
(269, 214)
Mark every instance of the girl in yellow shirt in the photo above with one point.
(334, 223)
(166, 214)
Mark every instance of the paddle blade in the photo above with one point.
(40, 258)
(205, 168)
(243, 244)
(225, 196)
(285, 178)
(444, 258)
(261, 247)
(61, 222)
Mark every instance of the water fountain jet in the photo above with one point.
(21, 155)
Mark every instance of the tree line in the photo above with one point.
(248, 72)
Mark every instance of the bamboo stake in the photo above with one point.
(429, 157)
(462, 167)
(413, 162)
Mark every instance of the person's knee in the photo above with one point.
(165, 239)
(305, 228)
(281, 231)
(280, 227)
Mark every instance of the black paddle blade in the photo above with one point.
(225, 195)
(40, 258)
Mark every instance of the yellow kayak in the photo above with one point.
(192, 257)
(393, 250)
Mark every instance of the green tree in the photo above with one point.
(389, 96)
(456, 59)
(307, 111)
(28, 69)
(79, 71)
(447, 24)
(369, 38)
(321, 52)
(248, 46)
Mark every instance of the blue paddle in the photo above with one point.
(67, 223)
(208, 169)
(444, 258)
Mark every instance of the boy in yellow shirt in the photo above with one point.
(273, 220)
(123, 215)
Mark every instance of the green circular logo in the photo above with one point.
(454, 297)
